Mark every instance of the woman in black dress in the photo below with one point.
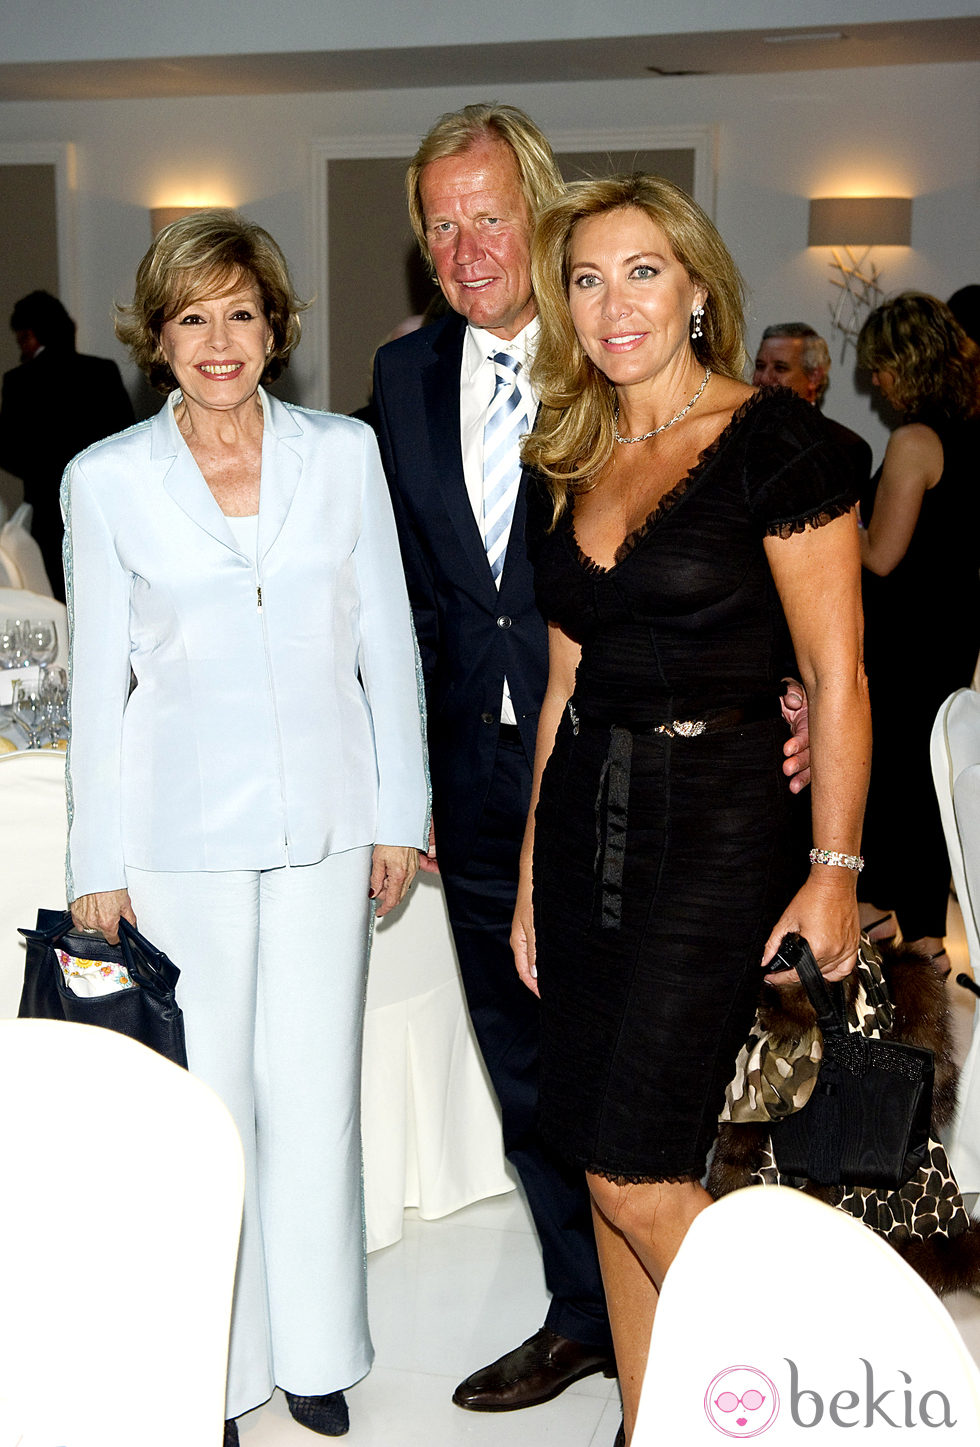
(687, 519)
(920, 548)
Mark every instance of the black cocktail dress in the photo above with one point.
(660, 865)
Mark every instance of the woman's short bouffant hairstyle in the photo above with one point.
(457, 132)
(206, 254)
(573, 439)
(934, 362)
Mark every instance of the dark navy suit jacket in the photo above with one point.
(470, 634)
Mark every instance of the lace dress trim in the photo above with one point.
(618, 1180)
(782, 527)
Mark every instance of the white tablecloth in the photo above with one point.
(33, 825)
(430, 1123)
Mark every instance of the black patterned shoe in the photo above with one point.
(327, 1415)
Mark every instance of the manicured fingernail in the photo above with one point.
(534, 972)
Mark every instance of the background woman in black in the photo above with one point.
(920, 549)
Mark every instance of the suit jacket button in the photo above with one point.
(487, 718)
(503, 621)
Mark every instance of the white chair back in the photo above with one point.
(955, 748)
(22, 603)
(33, 835)
(784, 1319)
(21, 554)
(119, 1223)
(956, 770)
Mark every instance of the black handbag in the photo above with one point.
(148, 1013)
(867, 1122)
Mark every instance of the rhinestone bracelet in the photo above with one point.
(831, 856)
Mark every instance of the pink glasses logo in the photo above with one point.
(741, 1402)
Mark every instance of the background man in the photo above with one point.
(54, 404)
(473, 186)
(452, 401)
(792, 354)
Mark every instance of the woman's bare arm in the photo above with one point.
(913, 463)
(817, 574)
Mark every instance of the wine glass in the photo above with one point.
(28, 712)
(12, 644)
(53, 690)
(42, 641)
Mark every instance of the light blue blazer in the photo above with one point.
(276, 716)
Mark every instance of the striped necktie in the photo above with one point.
(501, 460)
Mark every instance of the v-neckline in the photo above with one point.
(670, 499)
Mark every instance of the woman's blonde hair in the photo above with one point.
(206, 254)
(934, 362)
(573, 439)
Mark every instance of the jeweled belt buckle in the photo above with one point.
(690, 728)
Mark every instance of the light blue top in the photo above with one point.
(245, 531)
(276, 715)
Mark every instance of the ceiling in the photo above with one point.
(656, 57)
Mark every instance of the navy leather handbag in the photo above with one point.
(146, 1011)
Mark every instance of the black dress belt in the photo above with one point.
(612, 796)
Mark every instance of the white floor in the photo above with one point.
(452, 1295)
(449, 1297)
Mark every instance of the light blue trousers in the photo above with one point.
(273, 968)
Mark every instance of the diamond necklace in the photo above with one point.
(663, 427)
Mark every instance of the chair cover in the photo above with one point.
(119, 1223)
(955, 748)
(21, 553)
(785, 1319)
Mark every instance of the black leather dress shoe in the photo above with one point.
(534, 1372)
(327, 1414)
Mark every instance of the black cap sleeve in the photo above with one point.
(799, 471)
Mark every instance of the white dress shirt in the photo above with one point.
(476, 387)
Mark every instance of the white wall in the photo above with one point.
(781, 138)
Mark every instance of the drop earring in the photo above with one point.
(696, 316)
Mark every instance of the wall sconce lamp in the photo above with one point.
(849, 222)
(161, 216)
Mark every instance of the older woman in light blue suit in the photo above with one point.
(264, 779)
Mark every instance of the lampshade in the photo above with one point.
(161, 216)
(860, 221)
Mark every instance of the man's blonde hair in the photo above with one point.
(459, 131)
